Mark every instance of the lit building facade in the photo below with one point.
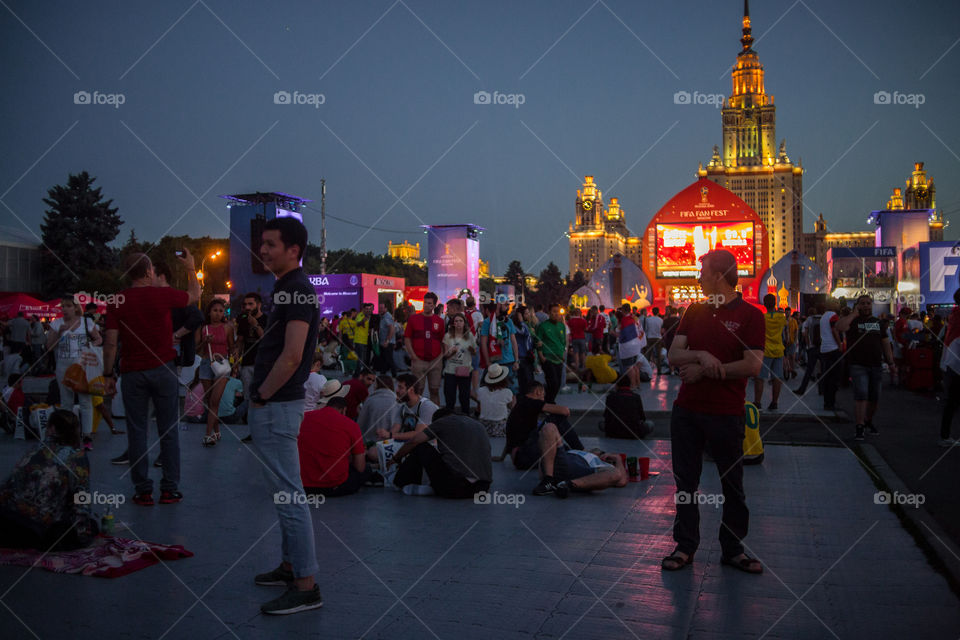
(750, 165)
(598, 233)
(407, 252)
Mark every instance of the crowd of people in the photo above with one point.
(426, 401)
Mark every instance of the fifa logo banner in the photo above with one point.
(939, 268)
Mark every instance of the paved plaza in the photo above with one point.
(837, 564)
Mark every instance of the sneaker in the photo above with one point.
(123, 458)
(376, 480)
(158, 463)
(562, 489)
(87, 443)
(859, 436)
(170, 497)
(247, 440)
(294, 601)
(947, 442)
(143, 499)
(773, 407)
(279, 577)
(545, 487)
(872, 430)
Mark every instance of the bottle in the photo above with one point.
(106, 523)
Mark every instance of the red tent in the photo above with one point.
(15, 303)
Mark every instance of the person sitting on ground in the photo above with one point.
(563, 470)
(378, 409)
(414, 413)
(599, 370)
(458, 467)
(524, 424)
(41, 505)
(332, 460)
(313, 386)
(359, 389)
(495, 400)
(623, 415)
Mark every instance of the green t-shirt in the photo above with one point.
(553, 335)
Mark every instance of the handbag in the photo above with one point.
(221, 366)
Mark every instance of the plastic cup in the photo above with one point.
(644, 465)
(632, 467)
(623, 459)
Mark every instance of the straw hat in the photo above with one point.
(495, 373)
(332, 389)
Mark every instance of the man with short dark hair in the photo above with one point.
(19, 329)
(283, 364)
(361, 335)
(774, 323)
(332, 457)
(414, 412)
(623, 414)
(423, 340)
(551, 337)
(718, 346)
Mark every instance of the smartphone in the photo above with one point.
(181, 253)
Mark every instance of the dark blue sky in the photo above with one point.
(399, 119)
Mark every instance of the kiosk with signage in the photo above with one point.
(339, 292)
(855, 271)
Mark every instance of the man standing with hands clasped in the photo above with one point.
(283, 363)
(718, 346)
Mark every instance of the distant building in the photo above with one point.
(19, 261)
(598, 234)
(750, 165)
(406, 252)
(485, 269)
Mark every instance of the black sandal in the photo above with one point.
(745, 564)
(677, 562)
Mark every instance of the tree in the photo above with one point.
(349, 261)
(76, 231)
(550, 287)
(515, 274)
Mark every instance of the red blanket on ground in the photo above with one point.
(107, 557)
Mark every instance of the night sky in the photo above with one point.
(400, 140)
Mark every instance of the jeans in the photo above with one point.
(830, 366)
(445, 482)
(689, 431)
(361, 350)
(85, 400)
(275, 427)
(553, 373)
(950, 407)
(454, 386)
(525, 374)
(866, 382)
(159, 385)
(246, 378)
(387, 363)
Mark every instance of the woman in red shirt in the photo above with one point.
(216, 339)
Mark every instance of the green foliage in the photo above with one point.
(514, 274)
(350, 261)
(76, 231)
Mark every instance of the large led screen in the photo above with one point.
(679, 247)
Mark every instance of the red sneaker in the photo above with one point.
(143, 499)
(170, 497)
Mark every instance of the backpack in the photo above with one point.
(815, 334)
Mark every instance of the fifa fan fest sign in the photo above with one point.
(702, 217)
(453, 259)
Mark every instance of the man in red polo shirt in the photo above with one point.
(332, 455)
(423, 339)
(718, 346)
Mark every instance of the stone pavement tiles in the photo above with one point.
(394, 566)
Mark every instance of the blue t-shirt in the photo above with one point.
(293, 298)
(505, 329)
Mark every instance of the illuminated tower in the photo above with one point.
(750, 164)
(597, 234)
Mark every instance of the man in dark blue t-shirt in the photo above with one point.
(276, 410)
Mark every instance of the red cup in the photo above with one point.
(623, 459)
(643, 464)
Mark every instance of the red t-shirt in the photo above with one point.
(145, 325)
(599, 325)
(426, 335)
(357, 394)
(17, 399)
(725, 332)
(326, 444)
(578, 328)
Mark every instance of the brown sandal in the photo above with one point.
(676, 562)
(745, 564)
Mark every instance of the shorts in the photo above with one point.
(626, 363)
(495, 428)
(205, 371)
(574, 467)
(772, 368)
(791, 349)
(866, 382)
(578, 345)
(431, 371)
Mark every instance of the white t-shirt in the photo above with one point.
(493, 404)
(827, 343)
(312, 390)
(73, 341)
(654, 327)
(410, 417)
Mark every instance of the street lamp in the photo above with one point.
(212, 256)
